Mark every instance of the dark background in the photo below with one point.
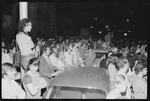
(109, 12)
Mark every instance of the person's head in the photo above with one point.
(145, 71)
(120, 82)
(4, 50)
(45, 50)
(67, 48)
(122, 64)
(53, 49)
(43, 42)
(25, 25)
(12, 49)
(39, 42)
(83, 45)
(3, 44)
(139, 69)
(111, 60)
(33, 65)
(8, 70)
(119, 55)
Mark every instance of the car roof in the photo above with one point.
(83, 77)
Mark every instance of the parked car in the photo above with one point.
(80, 83)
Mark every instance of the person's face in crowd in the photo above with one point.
(3, 44)
(57, 46)
(39, 42)
(79, 44)
(144, 71)
(28, 27)
(3, 50)
(70, 46)
(11, 73)
(83, 46)
(47, 52)
(34, 68)
(43, 42)
(13, 50)
(138, 46)
(99, 41)
(55, 50)
(69, 51)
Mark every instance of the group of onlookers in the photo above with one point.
(41, 60)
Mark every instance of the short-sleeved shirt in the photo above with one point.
(9, 91)
(27, 79)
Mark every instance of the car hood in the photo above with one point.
(83, 77)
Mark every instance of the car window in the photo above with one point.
(77, 93)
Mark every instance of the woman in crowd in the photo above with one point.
(10, 88)
(25, 43)
(33, 81)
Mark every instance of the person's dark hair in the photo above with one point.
(138, 68)
(119, 55)
(10, 47)
(22, 24)
(44, 48)
(142, 61)
(33, 61)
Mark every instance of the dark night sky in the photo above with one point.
(83, 15)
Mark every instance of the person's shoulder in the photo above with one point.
(27, 79)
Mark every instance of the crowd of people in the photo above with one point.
(42, 59)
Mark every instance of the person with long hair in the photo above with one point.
(25, 43)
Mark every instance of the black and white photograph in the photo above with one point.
(94, 49)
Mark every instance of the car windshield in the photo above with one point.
(76, 93)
